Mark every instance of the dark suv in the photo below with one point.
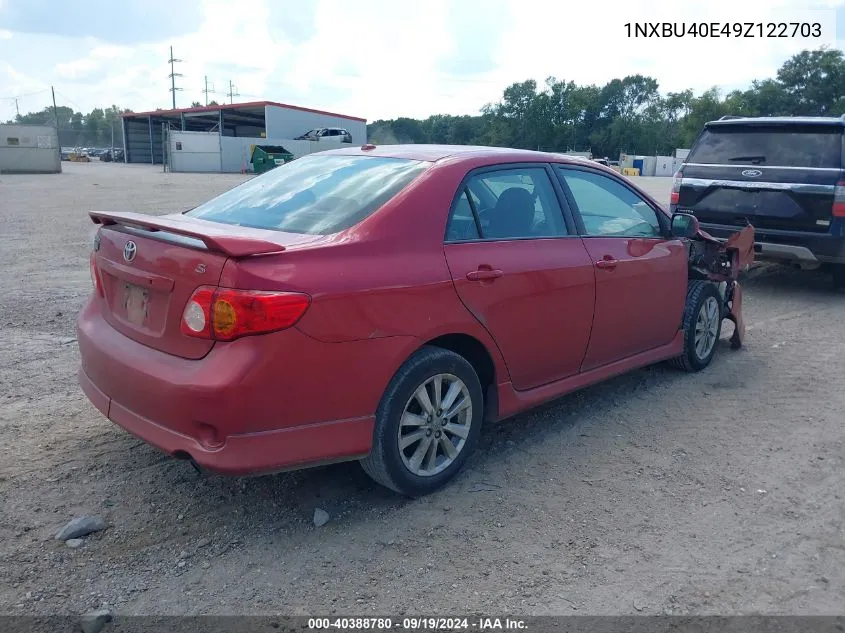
(785, 176)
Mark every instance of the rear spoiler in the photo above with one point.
(224, 240)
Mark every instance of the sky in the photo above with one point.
(375, 58)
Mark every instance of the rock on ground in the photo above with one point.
(321, 517)
(94, 621)
(79, 527)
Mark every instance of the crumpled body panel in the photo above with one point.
(723, 262)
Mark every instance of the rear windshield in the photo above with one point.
(812, 146)
(315, 194)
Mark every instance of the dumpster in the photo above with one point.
(266, 157)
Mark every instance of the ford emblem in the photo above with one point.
(752, 173)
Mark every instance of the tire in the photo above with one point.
(396, 468)
(699, 304)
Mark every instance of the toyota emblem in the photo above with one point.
(752, 173)
(129, 251)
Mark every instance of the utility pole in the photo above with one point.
(173, 75)
(232, 94)
(17, 110)
(207, 89)
(56, 114)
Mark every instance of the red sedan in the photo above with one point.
(381, 303)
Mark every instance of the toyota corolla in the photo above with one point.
(381, 303)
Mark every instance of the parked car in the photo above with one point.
(108, 156)
(381, 303)
(326, 134)
(784, 175)
(601, 161)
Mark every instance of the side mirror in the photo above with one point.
(684, 225)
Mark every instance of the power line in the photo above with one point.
(27, 94)
(173, 75)
(65, 97)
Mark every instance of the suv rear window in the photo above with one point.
(316, 195)
(810, 146)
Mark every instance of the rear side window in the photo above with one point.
(462, 225)
(315, 194)
(809, 146)
(516, 203)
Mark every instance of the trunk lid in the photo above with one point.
(150, 266)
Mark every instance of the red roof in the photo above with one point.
(426, 152)
(235, 106)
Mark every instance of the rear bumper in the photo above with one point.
(794, 246)
(255, 405)
(244, 454)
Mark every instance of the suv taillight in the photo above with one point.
(839, 200)
(675, 196)
(224, 314)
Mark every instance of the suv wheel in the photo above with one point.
(702, 326)
(427, 423)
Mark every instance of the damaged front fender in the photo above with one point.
(722, 262)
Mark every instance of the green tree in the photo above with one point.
(93, 126)
(815, 81)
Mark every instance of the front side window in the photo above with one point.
(315, 194)
(512, 204)
(608, 208)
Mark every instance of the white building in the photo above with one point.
(29, 149)
(220, 138)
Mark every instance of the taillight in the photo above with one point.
(196, 319)
(224, 314)
(839, 200)
(95, 274)
(675, 196)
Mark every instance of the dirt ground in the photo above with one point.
(657, 492)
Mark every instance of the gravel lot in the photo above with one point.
(657, 492)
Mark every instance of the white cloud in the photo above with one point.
(380, 58)
(594, 47)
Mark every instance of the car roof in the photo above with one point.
(778, 120)
(433, 153)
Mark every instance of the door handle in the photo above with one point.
(607, 263)
(483, 273)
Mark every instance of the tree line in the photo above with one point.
(77, 129)
(84, 130)
(626, 115)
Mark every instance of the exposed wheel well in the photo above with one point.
(474, 351)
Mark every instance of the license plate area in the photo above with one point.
(136, 301)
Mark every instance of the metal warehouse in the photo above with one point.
(220, 138)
